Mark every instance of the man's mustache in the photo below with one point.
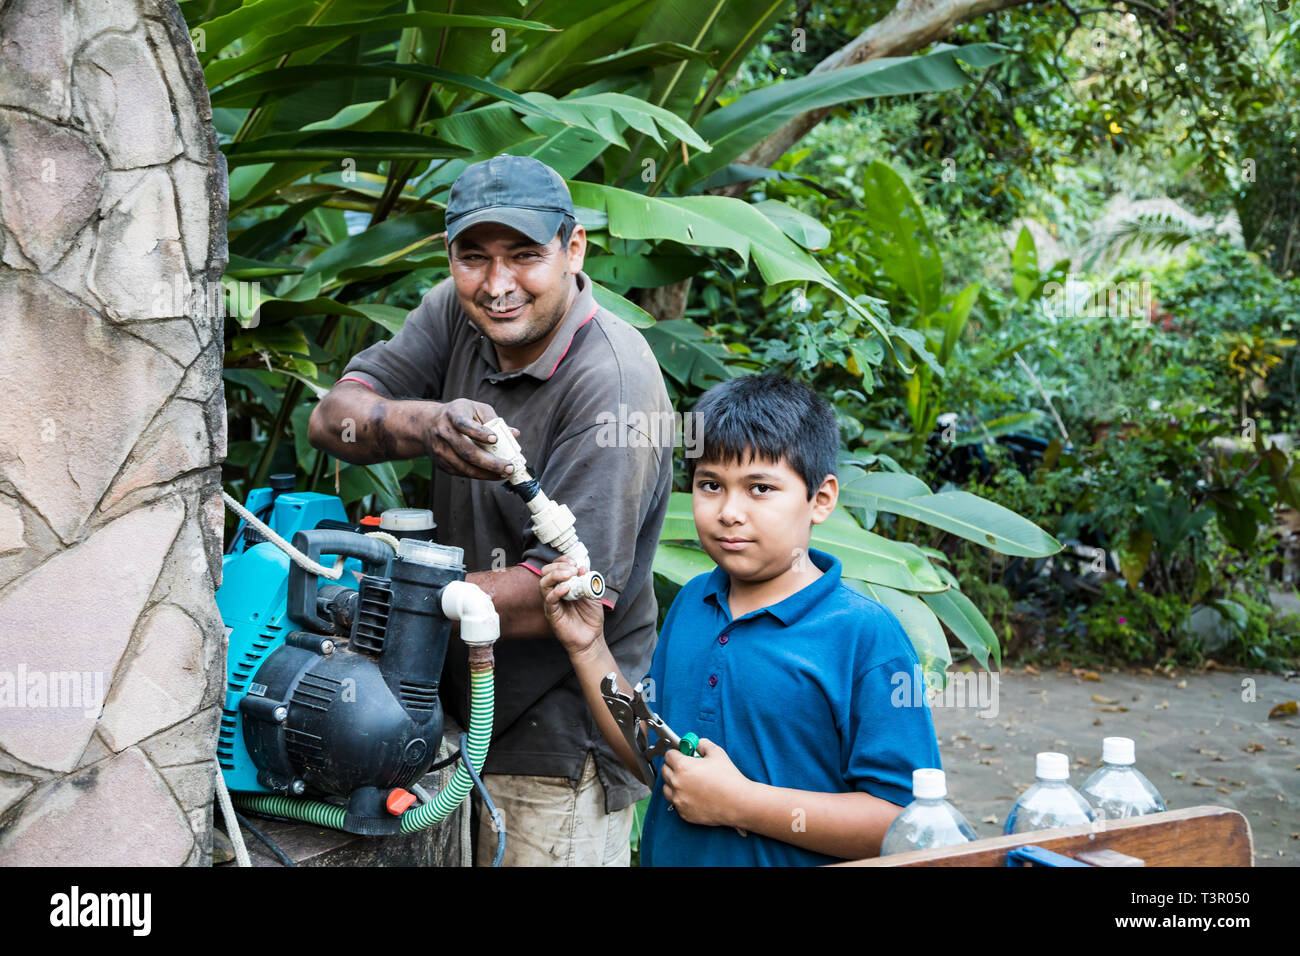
(503, 303)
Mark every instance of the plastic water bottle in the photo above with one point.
(1051, 802)
(1118, 789)
(929, 820)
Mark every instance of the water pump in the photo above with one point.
(332, 690)
(332, 712)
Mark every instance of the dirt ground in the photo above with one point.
(1203, 738)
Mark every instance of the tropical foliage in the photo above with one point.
(344, 124)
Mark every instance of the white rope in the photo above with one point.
(384, 536)
(232, 824)
(298, 558)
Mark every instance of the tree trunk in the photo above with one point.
(667, 301)
(911, 25)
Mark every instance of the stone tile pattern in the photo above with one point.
(112, 228)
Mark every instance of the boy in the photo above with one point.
(781, 669)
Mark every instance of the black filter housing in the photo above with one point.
(359, 719)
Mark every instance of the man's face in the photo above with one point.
(514, 290)
(753, 517)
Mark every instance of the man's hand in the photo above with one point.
(355, 424)
(579, 625)
(450, 432)
(704, 789)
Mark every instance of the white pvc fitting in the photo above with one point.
(469, 604)
(589, 585)
(508, 448)
(553, 523)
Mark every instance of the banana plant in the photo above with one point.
(911, 581)
(344, 123)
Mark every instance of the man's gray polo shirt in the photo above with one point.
(586, 411)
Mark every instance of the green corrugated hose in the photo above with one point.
(482, 692)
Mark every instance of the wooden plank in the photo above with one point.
(1195, 836)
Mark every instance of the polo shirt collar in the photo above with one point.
(544, 366)
(796, 605)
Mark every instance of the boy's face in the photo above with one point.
(754, 518)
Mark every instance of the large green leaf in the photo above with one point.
(389, 240)
(248, 91)
(339, 145)
(578, 75)
(862, 554)
(269, 235)
(870, 557)
(644, 271)
(957, 512)
(954, 320)
(730, 27)
(629, 312)
(686, 352)
(325, 36)
(716, 222)
(899, 238)
(799, 226)
(602, 31)
(607, 113)
(964, 619)
(1024, 266)
(496, 128)
(679, 564)
(919, 623)
(253, 21)
(739, 125)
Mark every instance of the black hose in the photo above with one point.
(445, 762)
(266, 840)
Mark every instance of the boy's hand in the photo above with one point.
(577, 624)
(704, 789)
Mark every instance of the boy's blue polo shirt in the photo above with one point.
(798, 694)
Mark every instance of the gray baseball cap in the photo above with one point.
(516, 191)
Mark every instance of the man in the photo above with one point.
(515, 332)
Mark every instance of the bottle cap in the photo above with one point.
(406, 519)
(929, 784)
(1118, 750)
(1052, 766)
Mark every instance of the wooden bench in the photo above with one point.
(1196, 836)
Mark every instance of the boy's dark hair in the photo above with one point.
(775, 419)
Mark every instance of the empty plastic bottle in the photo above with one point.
(1051, 802)
(929, 820)
(1118, 789)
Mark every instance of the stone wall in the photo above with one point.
(112, 430)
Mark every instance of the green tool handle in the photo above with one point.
(689, 745)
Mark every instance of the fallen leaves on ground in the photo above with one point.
(1253, 747)
(1098, 699)
(1287, 709)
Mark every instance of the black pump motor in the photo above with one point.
(359, 720)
